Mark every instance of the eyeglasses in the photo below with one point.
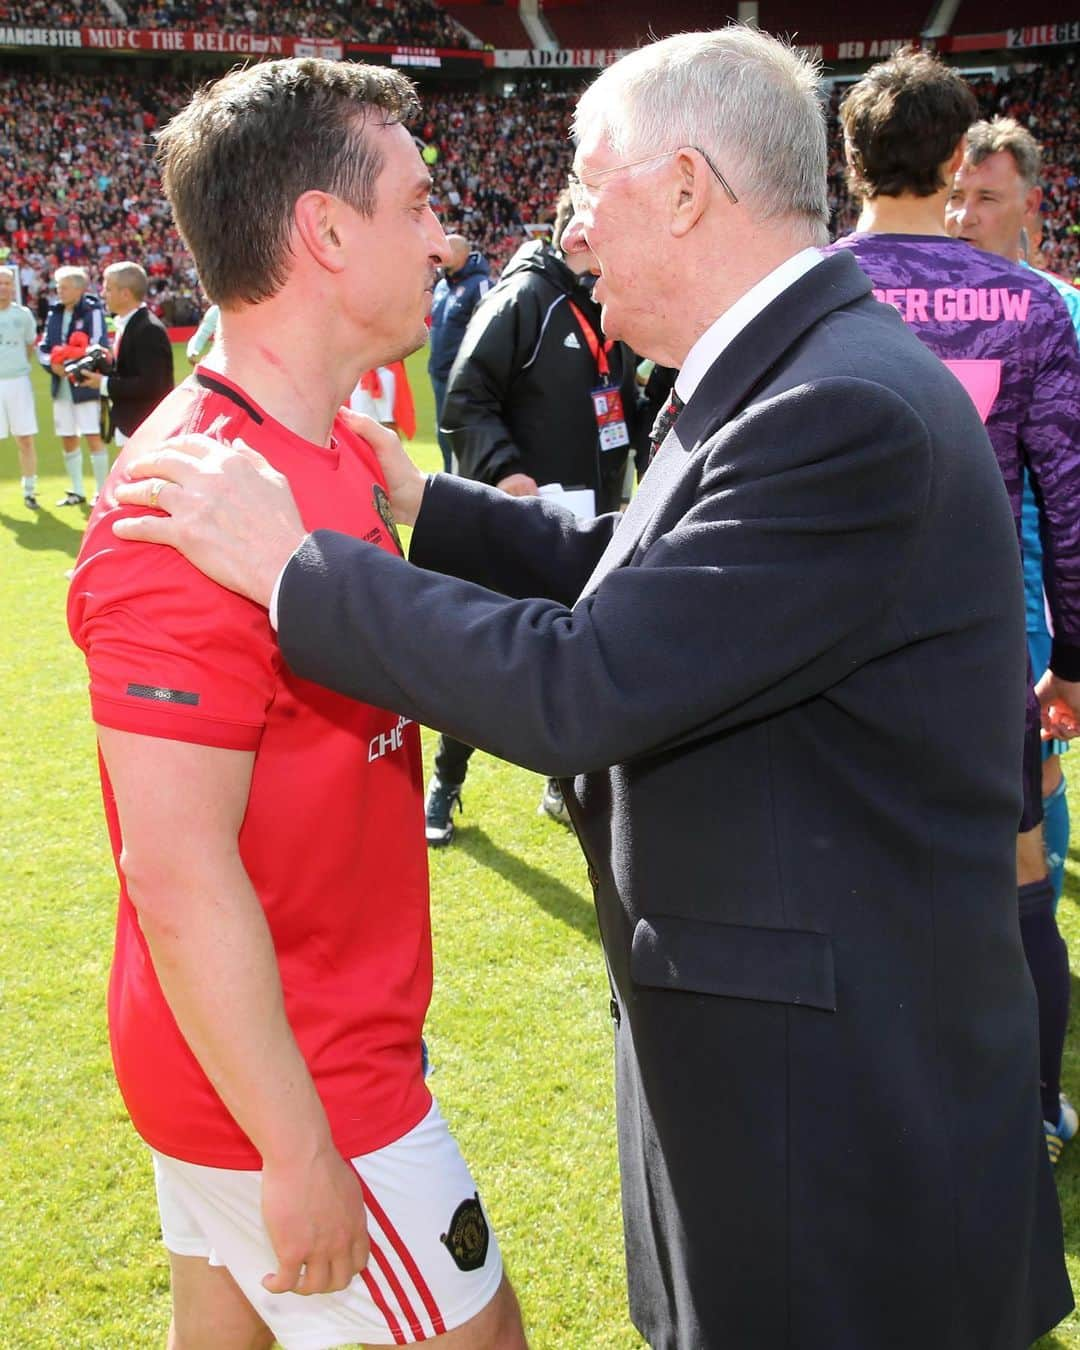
(579, 190)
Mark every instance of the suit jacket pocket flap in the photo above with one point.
(777, 965)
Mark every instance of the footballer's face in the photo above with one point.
(402, 246)
(7, 289)
(988, 205)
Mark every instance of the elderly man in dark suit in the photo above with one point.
(756, 686)
(142, 371)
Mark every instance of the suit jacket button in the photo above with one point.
(616, 1015)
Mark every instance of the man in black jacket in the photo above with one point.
(521, 412)
(142, 372)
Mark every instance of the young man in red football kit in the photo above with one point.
(273, 953)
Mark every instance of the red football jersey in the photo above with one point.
(333, 836)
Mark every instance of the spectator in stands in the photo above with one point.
(905, 124)
(464, 284)
(18, 336)
(522, 410)
(76, 408)
(994, 202)
(142, 370)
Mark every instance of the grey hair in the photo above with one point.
(131, 277)
(747, 99)
(1005, 133)
(79, 274)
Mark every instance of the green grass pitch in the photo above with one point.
(519, 1029)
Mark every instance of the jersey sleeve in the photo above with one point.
(169, 652)
(29, 327)
(1050, 434)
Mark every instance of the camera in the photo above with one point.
(94, 358)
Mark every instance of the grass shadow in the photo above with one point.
(44, 532)
(550, 894)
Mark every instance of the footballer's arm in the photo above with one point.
(215, 961)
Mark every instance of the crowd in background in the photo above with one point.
(78, 182)
(416, 22)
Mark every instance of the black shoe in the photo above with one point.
(30, 502)
(552, 804)
(72, 499)
(441, 800)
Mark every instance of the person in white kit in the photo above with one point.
(18, 334)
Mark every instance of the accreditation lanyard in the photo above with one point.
(606, 398)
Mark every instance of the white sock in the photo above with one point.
(29, 485)
(73, 462)
(99, 462)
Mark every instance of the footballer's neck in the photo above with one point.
(287, 362)
(906, 214)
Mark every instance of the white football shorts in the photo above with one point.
(434, 1262)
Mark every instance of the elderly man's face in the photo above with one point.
(69, 290)
(617, 219)
(988, 205)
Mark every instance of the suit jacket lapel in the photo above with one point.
(729, 383)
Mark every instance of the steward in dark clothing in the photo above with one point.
(519, 398)
(452, 305)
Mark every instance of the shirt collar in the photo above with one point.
(728, 326)
(122, 321)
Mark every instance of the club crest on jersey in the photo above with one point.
(467, 1238)
(382, 505)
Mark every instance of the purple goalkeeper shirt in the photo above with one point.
(1006, 335)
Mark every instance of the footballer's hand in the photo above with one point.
(404, 481)
(1059, 701)
(314, 1214)
(225, 508)
(518, 485)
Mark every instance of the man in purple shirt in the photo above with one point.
(1006, 336)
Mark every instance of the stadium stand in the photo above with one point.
(49, 14)
(843, 19)
(992, 16)
(78, 184)
(413, 22)
(493, 25)
(627, 23)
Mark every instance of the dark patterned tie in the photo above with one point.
(665, 420)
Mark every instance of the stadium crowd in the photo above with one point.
(78, 183)
(416, 22)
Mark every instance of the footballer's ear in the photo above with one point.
(318, 222)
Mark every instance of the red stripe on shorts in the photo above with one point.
(406, 1259)
(384, 1307)
(396, 1288)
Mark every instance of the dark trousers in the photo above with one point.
(452, 761)
(438, 388)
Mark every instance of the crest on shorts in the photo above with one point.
(467, 1238)
(382, 505)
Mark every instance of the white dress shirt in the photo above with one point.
(119, 324)
(728, 326)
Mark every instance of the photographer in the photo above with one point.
(141, 373)
(76, 408)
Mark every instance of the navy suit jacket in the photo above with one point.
(143, 373)
(786, 693)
